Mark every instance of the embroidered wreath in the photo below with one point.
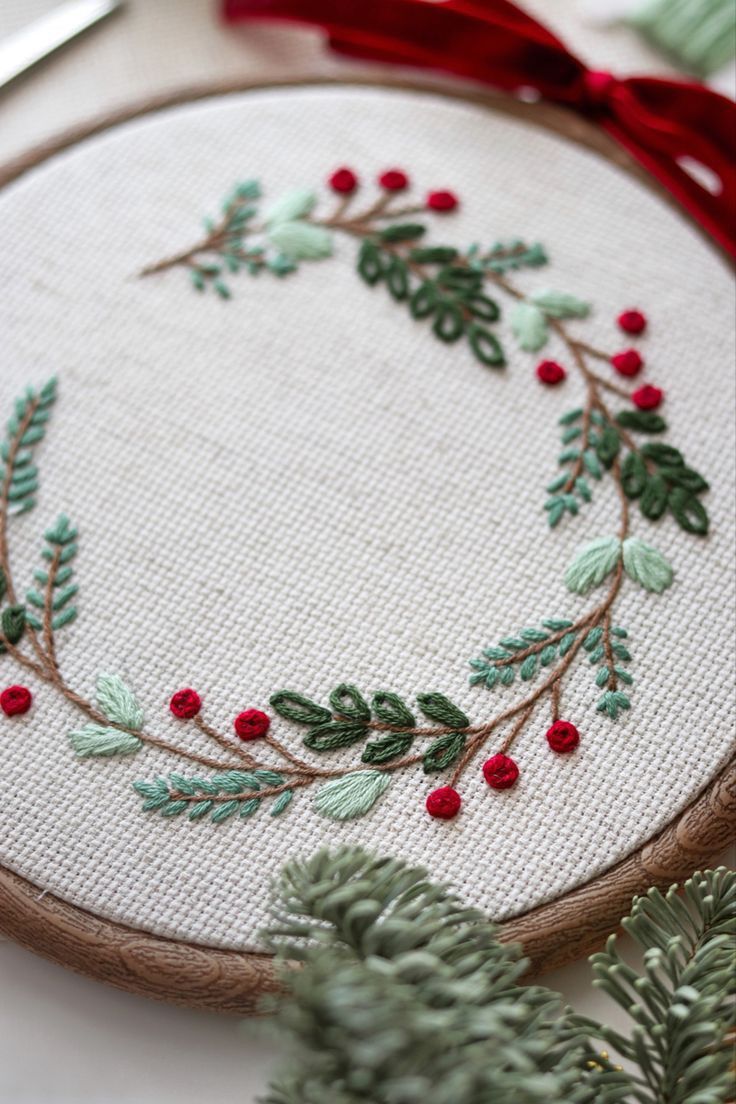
(453, 290)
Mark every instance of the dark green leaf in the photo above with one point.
(295, 707)
(334, 734)
(654, 500)
(448, 324)
(663, 454)
(370, 263)
(633, 475)
(391, 709)
(688, 511)
(397, 278)
(403, 231)
(459, 278)
(645, 421)
(3, 584)
(482, 307)
(423, 301)
(685, 477)
(486, 346)
(608, 446)
(439, 708)
(13, 623)
(388, 747)
(443, 752)
(433, 254)
(347, 701)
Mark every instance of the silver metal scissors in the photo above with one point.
(21, 51)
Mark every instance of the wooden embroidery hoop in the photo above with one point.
(552, 934)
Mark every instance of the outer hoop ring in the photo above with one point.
(552, 934)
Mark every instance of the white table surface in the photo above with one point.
(64, 1038)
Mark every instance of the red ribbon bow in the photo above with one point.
(664, 124)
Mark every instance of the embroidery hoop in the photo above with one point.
(554, 933)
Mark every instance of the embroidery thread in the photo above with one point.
(448, 286)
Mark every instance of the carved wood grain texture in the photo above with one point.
(232, 982)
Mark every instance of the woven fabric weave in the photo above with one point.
(301, 486)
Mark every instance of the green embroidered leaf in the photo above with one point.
(95, 740)
(334, 734)
(402, 231)
(653, 502)
(118, 703)
(592, 564)
(688, 511)
(554, 624)
(645, 421)
(448, 324)
(391, 709)
(507, 675)
(295, 707)
(482, 307)
(281, 803)
(249, 807)
(222, 813)
(439, 708)
(547, 655)
(65, 618)
(528, 668)
(591, 464)
(647, 566)
(443, 752)
(301, 241)
(608, 446)
(200, 809)
(571, 416)
(556, 304)
(593, 638)
(602, 677)
(13, 623)
(353, 795)
(612, 703)
(397, 279)
(633, 475)
(370, 263)
(685, 477)
(348, 702)
(511, 255)
(529, 326)
(293, 205)
(566, 643)
(433, 254)
(423, 301)
(486, 347)
(663, 454)
(388, 747)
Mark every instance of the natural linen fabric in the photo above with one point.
(302, 486)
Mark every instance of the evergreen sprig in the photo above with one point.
(197, 797)
(525, 654)
(57, 572)
(18, 474)
(407, 997)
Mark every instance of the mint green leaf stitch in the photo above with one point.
(353, 795)
(557, 304)
(96, 740)
(647, 566)
(118, 703)
(293, 205)
(592, 564)
(529, 327)
(301, 241)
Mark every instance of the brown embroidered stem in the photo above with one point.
(608, 647)
(226, 745)
(48, 612)
(556, 690)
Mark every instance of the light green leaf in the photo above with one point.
(94, 739)
(557, 304)
(352, 795)
(118, 703)
(301, 241)
(529, 326)
(293, 205)
(647, 566)
(592, 563)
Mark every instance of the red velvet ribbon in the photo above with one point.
(659, 122)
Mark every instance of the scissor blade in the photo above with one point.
(34, 43)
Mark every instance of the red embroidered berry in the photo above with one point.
(442, 201)
(251, 724)
(185, 704)
(444, 803)
(394, 180)
(550, 372)
(632, 321)
(647, 397)
(500, 772)
(627, 363)
(15, 700)
(344, 181)
(563, 736)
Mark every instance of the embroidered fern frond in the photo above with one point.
(25, 428)
(52, 598)
(218, 797)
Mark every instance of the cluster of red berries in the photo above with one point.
(628, 363)
(248, 725)
(344, 181)
(15, 700)
(501, 772)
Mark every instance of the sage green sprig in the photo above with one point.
(25, 429)
(525, 653)
(218, 797)
(55, 598)
(404, 994)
